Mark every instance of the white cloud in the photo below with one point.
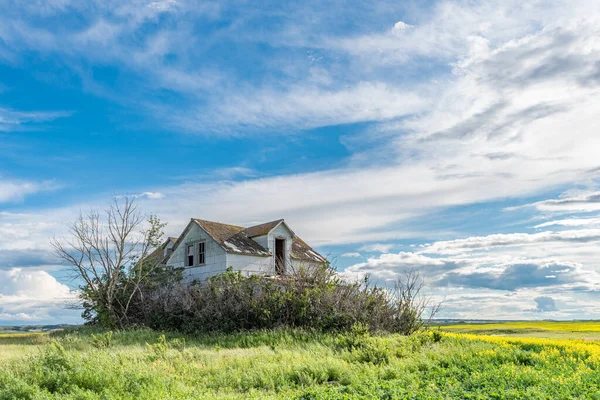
(377, 247)
(581, 202)
(400, 27)
(163, 5)
(16, 190)
(152, 195)
(545, 304)
(512, 239)
(351, 255)
(27, 296)
(571, 222)
(13, 120)
(303, 107)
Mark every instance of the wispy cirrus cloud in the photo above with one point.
(512, 239)
(16, 190)
(13, 120)
(585, 202)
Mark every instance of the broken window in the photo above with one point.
(189, 259)
(201, 257)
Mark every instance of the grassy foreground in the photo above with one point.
(143, 364)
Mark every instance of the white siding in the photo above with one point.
(217, 260)
(250, 265)
(215, 256)
(263, 241)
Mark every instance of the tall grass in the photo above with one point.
(298, 364)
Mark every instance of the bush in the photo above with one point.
(310, 298)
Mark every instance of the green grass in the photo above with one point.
(291, 364)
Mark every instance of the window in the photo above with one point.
(189, 255)
(201, 258)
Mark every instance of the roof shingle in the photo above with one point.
(237, 239)
(232, 238)
(262, 229)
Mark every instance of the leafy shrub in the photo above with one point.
(102, 340)
(159, 348)
(310, 298)
(355, 338)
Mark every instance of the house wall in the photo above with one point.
(217, 260)
(215, 256)
(250, 265)
(263, 241)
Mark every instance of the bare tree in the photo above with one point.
(410, 304)
(109, 253)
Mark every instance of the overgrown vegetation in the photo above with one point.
(110, 253)
(295, 364)
(314, 298)
(125, 286)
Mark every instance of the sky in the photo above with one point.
(458, 138)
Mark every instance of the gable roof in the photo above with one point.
(218, 231)
(158, 255)
(262, 229)
(238, 240)
(232, 239)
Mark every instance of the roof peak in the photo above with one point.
(215, 222)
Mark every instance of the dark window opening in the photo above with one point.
(189, 259)
(201, 254)
(279, 256)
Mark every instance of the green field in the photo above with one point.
(290, 364)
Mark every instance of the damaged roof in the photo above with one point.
(303, 252)
(158, 255)
(262, 229)
(232, 239)
(238, 239)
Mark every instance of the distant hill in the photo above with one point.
(35, 328)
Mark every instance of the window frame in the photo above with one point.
(203, 254)
(188, 255)
(196, 255)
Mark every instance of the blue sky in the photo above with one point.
(456, 137)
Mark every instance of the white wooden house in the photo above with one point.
(207, 248)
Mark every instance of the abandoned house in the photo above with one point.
(207, 248)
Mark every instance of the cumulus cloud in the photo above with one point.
(545, 304)
(515, 277)
(26, 258)
(389, 267)
(28, 295)
(400, 27)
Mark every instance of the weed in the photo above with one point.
(102, 340)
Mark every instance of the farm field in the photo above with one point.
(441, 364)
(585, 330)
